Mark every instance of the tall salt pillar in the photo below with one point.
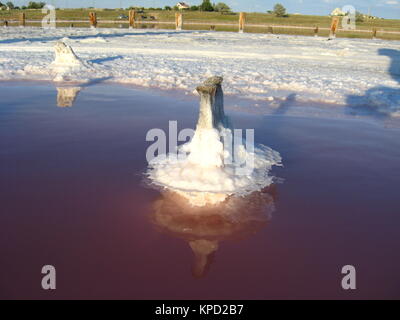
(207, 149)
(212, 114)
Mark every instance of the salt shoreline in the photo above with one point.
(266, 68)
(236, 104)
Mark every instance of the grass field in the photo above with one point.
(257, 22)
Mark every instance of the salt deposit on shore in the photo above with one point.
(257, 66)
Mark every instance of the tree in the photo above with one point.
(194, 8)
(280, 10)
(167, 8)
(359, 17)
(222, 7)
(10, 5)
(36, 5)
(206, 6)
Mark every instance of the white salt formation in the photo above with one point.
(65, 55)
(67, 63)
(212, 169)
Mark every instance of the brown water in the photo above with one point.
(72, 195)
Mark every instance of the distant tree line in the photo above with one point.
(31, 5)
(205, 6)
(9, 5)
(210, 7)
(36, 5)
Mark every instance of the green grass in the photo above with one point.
(210, 18)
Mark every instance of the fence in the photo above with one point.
(242, 26)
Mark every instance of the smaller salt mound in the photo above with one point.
(212, 169)
(67, 66)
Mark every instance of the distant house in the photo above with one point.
(337, 12)
(366, 16)
(182, 5)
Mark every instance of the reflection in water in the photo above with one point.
(204, 227)
(66, 96)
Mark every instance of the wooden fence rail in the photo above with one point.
(132, 21)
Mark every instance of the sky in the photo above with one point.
(389, 9)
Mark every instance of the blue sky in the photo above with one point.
(382, 8)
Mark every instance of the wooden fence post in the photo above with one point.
(132, 18)
(22, 19)
(93, 19)
(374, 32)
(5, 23)
(242, 21)
(316, 29)
(334, 27)
(178, 21)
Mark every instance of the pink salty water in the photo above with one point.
(72, 196)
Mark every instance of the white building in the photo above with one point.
(182, 5)
(337, 12)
